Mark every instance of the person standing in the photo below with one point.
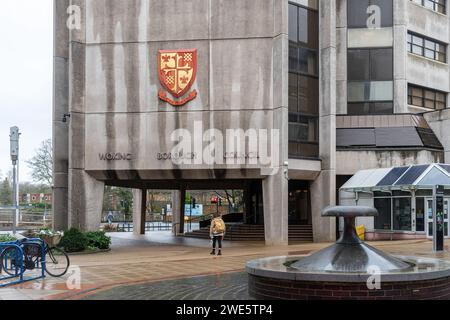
(110, 217)
(217, 233)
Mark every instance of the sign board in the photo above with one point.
(14, 139)
(438, 219)
(197, 211)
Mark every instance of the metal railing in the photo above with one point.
(149, 226)
(25, 219)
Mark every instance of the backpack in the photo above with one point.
(219, 226)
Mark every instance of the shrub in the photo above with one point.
(110, 227)
(98, 239)
(74, 241)
(7, 238)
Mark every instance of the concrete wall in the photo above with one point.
(350, 162)
(60, 107)
(112, 94)
(439, 121)
(419, 70)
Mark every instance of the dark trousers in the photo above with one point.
(219, 240)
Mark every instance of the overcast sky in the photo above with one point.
(26, 50)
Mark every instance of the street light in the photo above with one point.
(14, 144)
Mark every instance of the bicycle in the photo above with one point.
(56, 262)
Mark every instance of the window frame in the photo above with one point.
(410, 37)
(297, 115)
(435, 3)
(423, 97)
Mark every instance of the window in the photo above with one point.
(426, 98)
(357, 12)
(420, 214)
(370, 64)
(395, 214)
(426, 47)
(370, 85)
(435, 5)
(303, 82)
(383, 220)
(402, 214)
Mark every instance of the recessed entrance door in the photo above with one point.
(429, 211)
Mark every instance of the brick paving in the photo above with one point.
(146, 260)
(228, 286)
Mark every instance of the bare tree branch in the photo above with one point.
(41, 164)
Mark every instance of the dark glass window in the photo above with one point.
(303, 82)
(357, 12)
(370, 64)
(426, 98)
(358, 64)
(426, 47)
(370, 74)
(381, 66)
(420, 214)
(402, 214)
(383, 220)
(361, 108)
(293, 23)
(435, 5)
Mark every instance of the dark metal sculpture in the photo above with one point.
(350, 254)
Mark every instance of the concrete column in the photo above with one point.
(323, 190)
(176, 206)
(85, 201)
(275, 197)
(139, 211)
(181, 209)
(341, 56)
(400, 30)
(60, 107)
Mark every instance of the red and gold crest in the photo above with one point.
(177, 73)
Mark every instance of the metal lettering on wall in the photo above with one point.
(115, 156)
(177, 72)
(192, 155)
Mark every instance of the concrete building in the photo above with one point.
(342, 85)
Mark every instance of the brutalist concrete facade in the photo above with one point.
(106, 79)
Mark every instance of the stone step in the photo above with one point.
(298, 233)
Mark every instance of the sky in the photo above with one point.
(26, 75)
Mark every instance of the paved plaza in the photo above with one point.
(159, 266)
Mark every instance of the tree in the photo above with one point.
(41, 164)
(6, 193)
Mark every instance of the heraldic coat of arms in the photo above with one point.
(177, 73)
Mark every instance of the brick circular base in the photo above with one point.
(276, 289)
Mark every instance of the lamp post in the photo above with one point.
(14, 144)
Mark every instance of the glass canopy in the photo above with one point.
(409, 177)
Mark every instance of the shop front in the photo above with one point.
(403, 197)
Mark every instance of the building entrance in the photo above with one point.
(299, 203)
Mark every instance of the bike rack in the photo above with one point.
(21, 276)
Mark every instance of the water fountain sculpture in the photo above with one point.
(349, 269)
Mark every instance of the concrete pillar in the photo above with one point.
(275, 185)
(181, 209)
(60, 107)
(85, 201)
(139, 211)
(400, 31)
(275, 197)
(323, 190)
(176, 206)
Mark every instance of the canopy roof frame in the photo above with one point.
(368, 180)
